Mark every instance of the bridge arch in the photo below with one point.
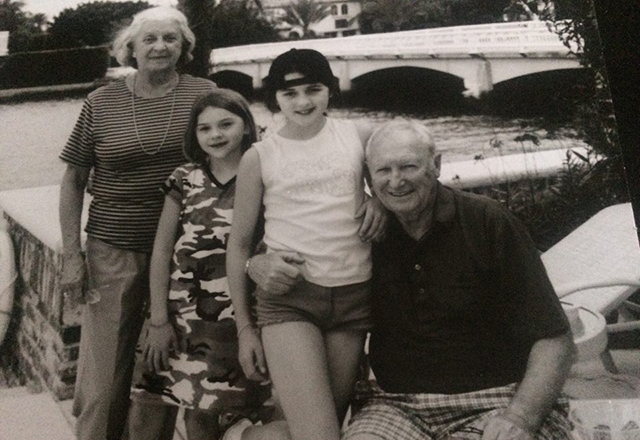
(405, 88)
(503, 69)
(552, 92)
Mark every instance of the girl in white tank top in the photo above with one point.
(309, 177)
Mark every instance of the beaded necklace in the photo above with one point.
(135, 124)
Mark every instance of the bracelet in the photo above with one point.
(243, 327)
(158, 325)
(246, 266)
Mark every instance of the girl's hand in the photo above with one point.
(161, 340)
(374, 220)
(72, 279)
(251, 355)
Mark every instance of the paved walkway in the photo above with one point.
(28, 416)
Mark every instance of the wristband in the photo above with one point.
(246, 266)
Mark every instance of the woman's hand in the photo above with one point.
(73, 276)
(374, 220)
(251, 355)
(161, 340)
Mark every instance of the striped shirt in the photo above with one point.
(127, 179)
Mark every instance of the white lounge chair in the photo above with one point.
(597, 267)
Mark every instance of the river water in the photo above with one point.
(33, 133)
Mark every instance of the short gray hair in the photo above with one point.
(389, 129)
(122, 48)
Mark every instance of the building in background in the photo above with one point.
(332, 18)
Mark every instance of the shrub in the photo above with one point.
(51, 67)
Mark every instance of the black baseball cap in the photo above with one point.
(308, 62)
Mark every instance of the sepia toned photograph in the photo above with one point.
(319, 219)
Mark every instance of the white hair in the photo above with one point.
(122, 48)
(389, 129)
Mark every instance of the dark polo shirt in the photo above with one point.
(459, 309)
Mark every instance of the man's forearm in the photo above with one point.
(548, 367)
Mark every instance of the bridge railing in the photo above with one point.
(525, 38)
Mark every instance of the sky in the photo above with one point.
(51, 8)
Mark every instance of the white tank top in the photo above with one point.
(312, 189)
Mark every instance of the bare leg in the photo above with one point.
(344, 352)
(298, 366)
(271, 431)
(152, 422)
(201, 425)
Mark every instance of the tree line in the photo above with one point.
(222, 23)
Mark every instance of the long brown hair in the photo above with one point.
(225, 99)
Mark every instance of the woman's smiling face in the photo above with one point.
(158, 45)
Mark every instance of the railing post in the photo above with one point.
(340, 68)
(257, 76)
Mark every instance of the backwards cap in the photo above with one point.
(310, 63)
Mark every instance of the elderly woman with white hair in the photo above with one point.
(128, 137)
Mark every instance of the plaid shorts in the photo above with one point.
(391, 416)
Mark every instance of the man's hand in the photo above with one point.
(374, 220)
(251, 355)
(277, 272)
(507, 426)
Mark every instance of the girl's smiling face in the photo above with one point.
(303, 105)
(220, 133)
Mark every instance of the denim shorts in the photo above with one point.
(328, 308)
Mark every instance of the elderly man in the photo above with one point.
(469, 338)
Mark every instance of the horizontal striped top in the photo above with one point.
(126, 182)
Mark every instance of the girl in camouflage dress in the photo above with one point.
(189, 357)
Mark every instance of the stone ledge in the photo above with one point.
(36, 209)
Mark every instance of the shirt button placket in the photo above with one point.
(420, 290)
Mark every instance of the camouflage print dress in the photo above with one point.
(205, 373)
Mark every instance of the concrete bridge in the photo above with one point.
(482, 55)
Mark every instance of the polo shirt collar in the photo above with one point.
(445, 207)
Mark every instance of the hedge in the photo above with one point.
(52, 67)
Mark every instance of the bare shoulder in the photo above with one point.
(250, 163)
(364, 129)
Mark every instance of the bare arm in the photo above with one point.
(548, 367)
(74, 182)
(372, 213)
(161, 337)
(246, 210)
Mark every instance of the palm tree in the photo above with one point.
(199, 14)
(399, 15)
(11, 14)
(304, 13)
